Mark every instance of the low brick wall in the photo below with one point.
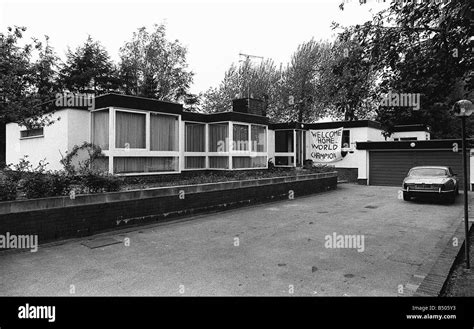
(61, 218)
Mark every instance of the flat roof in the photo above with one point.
(412, 127)
(136, 102)
(413, 145)
(327, 125)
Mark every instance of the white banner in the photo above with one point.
(326, 145)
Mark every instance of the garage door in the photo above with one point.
(388, 168)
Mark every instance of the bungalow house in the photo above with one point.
(145, 136)
(141, 136)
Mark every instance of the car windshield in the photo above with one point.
(428, 172)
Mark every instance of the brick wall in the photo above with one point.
(81, 220)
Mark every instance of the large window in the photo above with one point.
(163, 132)
(241, 138)
(100, 129)
(259, 139)
(218, 137)
(124, 165)
(195, 137)
(130, 130)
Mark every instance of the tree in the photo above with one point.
(152, 66)
(301, 77)
(420, 48)
(25, 84)
(89, 69)
(346, 83)
(240, 81)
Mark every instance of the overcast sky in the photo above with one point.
(215, 32)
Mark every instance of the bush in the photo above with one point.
(96, 182)
(7, 188)
(43, 185)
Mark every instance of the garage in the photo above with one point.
(389, 162)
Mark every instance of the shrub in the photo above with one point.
(23, 169)
(7, 188)
(96, 182)
(48, 184)
(34, 185)
(59, 183)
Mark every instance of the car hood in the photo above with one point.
(426, 180)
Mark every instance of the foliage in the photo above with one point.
(25, 83)
(151, 66)
(420, 48)
(89, 69)
(23, 169)
(346, 84)
(97, 182)
(72, 163)
(7, 188)
(300, 81)
(247, 79)
(47, 184)
(37, 182)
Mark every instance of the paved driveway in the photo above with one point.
(271, 249)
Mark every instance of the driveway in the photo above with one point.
(278, 248)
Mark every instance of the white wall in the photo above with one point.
(70, 127)
(79, 127)
(271, 145)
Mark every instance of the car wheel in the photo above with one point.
(406, 196)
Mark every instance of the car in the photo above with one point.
(439, 181)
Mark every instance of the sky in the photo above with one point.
(214, 32)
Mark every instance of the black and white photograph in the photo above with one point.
(175, 154)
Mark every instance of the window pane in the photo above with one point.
(130, 130)
(31, 132)
(100, 129)
(241, 138)
(249, 162)
(195, 137)
(163, 132)
(194, 162)
(346, 138)
(219, 162)
(259, 139)
(124, 165)
(284, 141)
(218, 137)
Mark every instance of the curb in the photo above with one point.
(433, 283)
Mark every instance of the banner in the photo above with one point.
(326, 145)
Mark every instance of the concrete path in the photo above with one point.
(266, 250)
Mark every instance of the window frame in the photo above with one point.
(34, 136)
(113, 151)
